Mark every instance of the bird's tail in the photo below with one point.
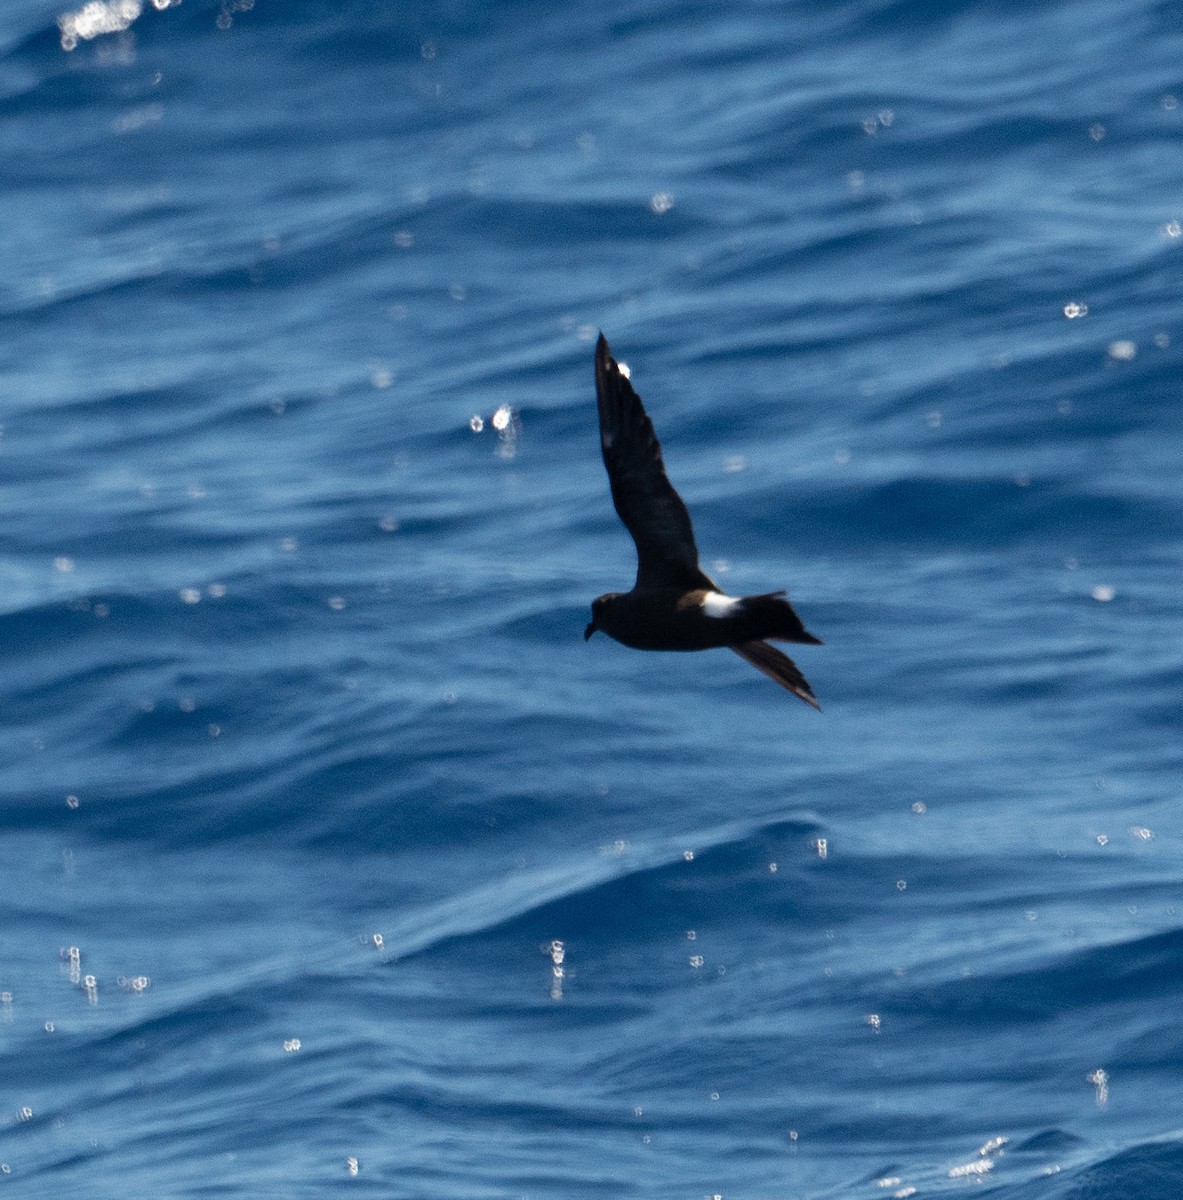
(776, 618)
(779, 667)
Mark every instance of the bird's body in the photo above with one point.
(702, 619)
(674, 605)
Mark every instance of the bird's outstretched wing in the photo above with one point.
(777, 666)
(644, 497)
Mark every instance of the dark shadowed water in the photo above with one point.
(332, 860)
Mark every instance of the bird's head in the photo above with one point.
(598, 606)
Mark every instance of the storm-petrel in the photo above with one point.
(673, 604)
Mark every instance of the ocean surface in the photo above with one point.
(333, 861)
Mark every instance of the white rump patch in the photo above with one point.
(715, 604)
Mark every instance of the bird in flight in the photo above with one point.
(674, 605)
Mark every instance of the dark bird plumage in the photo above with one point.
(673, 604)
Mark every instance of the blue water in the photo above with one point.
(310, 779)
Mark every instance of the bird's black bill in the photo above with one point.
(589, 631)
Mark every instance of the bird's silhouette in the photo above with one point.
(674, 605)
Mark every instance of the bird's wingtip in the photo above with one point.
(777, 667)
